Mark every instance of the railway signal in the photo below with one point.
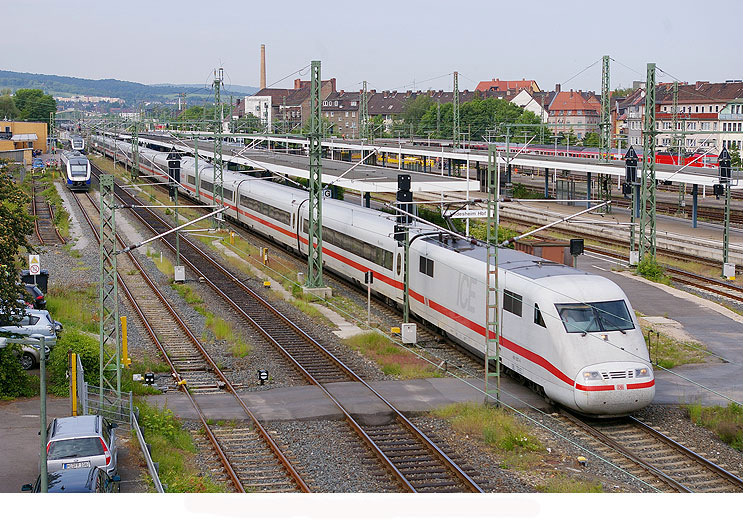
(630, 188)
(725, 163)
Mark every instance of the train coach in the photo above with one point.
(76, 169)
(571, 335)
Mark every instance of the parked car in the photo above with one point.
(83, 480)
(82, 442)
(38, 163)
(29, 356)
(36, 300)
(34, 322)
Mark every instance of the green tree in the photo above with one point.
(34, 105)
(415, 108)
(15, 224)
(568, 139)
(735, 159)
(8, 109)
(591, 140)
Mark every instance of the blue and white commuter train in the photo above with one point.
(77, 143)
(570, 334)
(76, 168)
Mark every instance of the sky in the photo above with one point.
(402, 45)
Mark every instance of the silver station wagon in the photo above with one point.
(81, 442)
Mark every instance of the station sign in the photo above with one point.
(472, 213)
(34, 264)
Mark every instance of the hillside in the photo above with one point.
(130, 91)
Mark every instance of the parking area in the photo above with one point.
(19, 458)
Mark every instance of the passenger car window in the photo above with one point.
(538, 319)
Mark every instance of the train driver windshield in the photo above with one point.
(595, 317)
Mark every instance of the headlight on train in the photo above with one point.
(591, 375)
(642, 373)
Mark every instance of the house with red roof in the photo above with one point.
(496, 84)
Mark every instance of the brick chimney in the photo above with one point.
(557, 88)
(263, 66)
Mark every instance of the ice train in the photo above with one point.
(571, 334)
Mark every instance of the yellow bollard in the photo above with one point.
(232, 238)
(73, 382)
(264, 253)
(124, 345)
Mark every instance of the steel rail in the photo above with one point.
(217, 447)
(411, 428)
(618, 447)
(732, 478)
(262, 431)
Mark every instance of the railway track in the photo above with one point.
(412, 459)
(661, 462)
(712, 213)
(44, 224)
(250, 460)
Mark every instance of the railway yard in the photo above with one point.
(279, 393)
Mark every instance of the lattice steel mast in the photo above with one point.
(364, 122)
(605, 125)
(314, 248)
(455, 112)
(647, 200)
(110, 348)
(218, 167)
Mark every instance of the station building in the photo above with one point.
(19, 139)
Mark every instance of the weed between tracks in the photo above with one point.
(173, 448)
(219, 328)
(726, 422)
(516, 447)
(394, 360)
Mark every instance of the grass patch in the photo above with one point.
(174, 450)
(222, 331)
(161, 262)
(61, 216)
(497, 428)
(669, 352)
(561, 484)
(188, 294)
(394, 360)
(726, 422)
(305, 306)
(651, 270)
(75, 306)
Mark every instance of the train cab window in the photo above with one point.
(512, 302)
(426, 266)
(538, 318)
(595, 317)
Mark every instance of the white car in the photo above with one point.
(33, 322)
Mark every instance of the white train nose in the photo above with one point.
(614, 388)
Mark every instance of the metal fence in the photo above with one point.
(113, 407)
(146, 451)
(109, 404)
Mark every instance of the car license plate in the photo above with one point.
(77, 465)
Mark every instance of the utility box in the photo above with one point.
(728, 271)
(408, 333)
(42, 279)
(179, 273)
(556, 251)
(634, 258)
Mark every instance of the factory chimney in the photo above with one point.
(263, 66)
